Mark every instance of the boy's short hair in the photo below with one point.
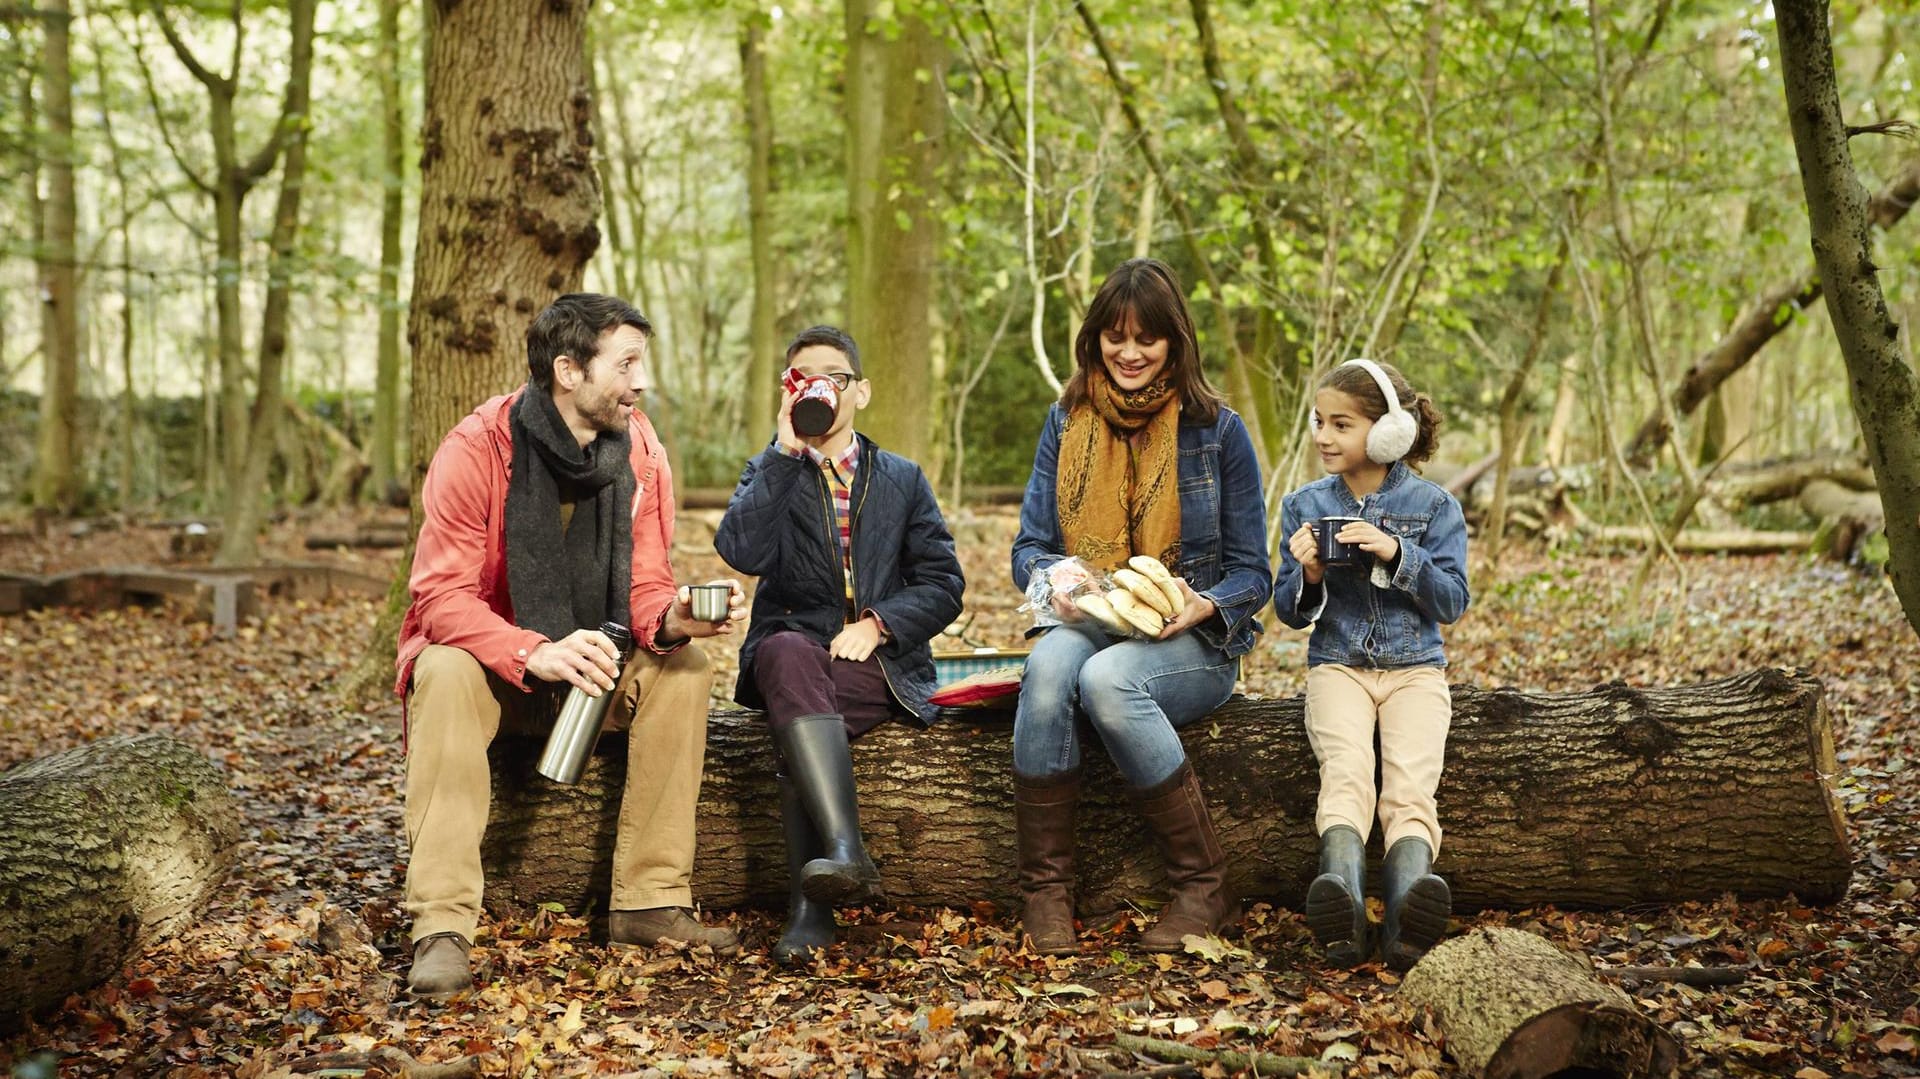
(571, 326)
(831, 336)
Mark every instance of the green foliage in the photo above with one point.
(1324, 243)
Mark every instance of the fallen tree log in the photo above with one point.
(1603, 798)
(1847, 517)
(110, 846)
(1702, 540)
(1776, 481)
(366, 536)
(1512, 1006)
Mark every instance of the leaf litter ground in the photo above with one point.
(302, 954)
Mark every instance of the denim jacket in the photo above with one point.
(1389, 615)
(1223, 526)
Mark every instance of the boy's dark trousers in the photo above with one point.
(798, 677)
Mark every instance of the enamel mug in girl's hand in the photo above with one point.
(1332, 551)
(815, 405)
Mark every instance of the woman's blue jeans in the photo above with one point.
(1132, 693)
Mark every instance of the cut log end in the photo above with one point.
(1586, 1039)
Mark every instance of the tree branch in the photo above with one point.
(181, 49)
(160, 114)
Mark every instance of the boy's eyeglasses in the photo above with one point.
(840, 379)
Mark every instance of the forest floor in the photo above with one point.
(249, 990)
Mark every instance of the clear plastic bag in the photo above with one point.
(1066, 578)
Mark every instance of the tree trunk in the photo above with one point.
(896, 122)
(1510, 401)
(763, 363)
(1510, 1005)
(383, 448)
(1604, 798)
(247, 500)
(1886, 399)
(110, 846)
(1240, 373)
(56, 474)
(1258, 391)
(508, 200)
(129, 434)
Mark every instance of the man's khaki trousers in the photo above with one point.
(454, 712)
(1412, 709)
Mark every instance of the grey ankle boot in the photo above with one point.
(440, 966)
(1418, 903)
(1337, 898)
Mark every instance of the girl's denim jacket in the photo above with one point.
(1388, 616)
(1223, 526)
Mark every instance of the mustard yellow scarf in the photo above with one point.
(1118, 474)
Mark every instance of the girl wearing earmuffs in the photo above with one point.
(1376, 588)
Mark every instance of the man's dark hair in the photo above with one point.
(831, 336)
(571, 326)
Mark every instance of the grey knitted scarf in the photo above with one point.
(577, 576)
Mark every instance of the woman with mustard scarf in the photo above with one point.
(1140, 456)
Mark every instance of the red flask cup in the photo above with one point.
(815, 406)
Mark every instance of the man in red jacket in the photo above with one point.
(545, 513)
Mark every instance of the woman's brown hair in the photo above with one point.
(1150, 289)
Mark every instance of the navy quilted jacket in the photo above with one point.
(779, 527)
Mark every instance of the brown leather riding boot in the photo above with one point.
(1176, 812)
(1043, 810)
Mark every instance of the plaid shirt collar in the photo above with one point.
(844, 465)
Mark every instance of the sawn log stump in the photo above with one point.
(1512, 1006)
(1604, 798)
(109, 846)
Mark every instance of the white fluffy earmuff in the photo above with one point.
(1392, 434)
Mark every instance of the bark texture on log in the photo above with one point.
(1603, 798)
(1513, 1006)
(109, 846)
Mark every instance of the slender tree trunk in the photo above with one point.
(1240, 378)
(1885, 398)
(384, 446)
(56, 477)
(1563, 400)
(228, 264)
(128, 435)
(247, 500)
(763, 367)
(896, 123)
(1510, 400)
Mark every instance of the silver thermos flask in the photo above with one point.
(578, 727)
